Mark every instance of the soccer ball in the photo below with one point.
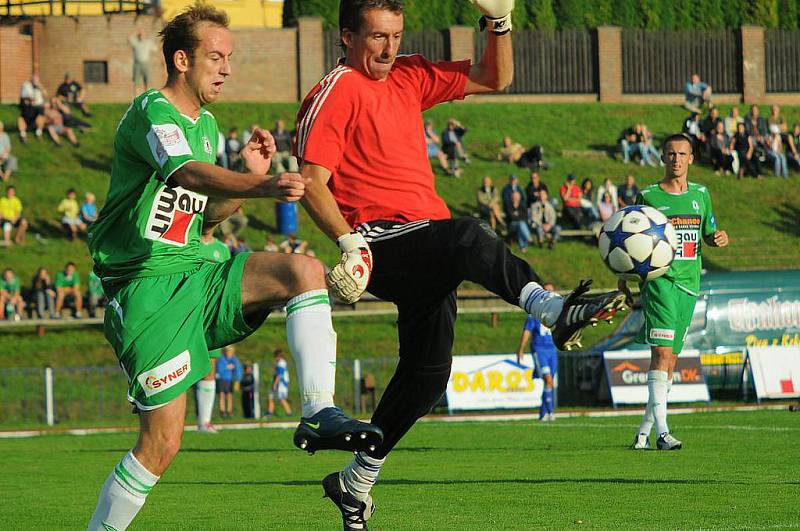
(638, 243)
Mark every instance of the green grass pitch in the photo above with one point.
(738, 470)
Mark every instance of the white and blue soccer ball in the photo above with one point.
(638, 243)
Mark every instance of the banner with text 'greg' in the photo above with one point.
(492, 381)
(776, 371)
(627, 377)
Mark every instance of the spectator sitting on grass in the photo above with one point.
(270, 246)
(627, 192)
(709, 124)
(508, 191)
(691, 128)
(571, 199)
(732, 122)
(587, 201)
(44, 294)
(88, 209)
(629, 143)
(96, 296)
(650, 155)
(236, 245)
(775, 122)
(544, 220)
(283, 160)
(31, 108)
(293, 245)
(68, 290)
(696, 94)
(453, 146)
(71, 92)
(609, 187)
(11, 217)
(433, 145)
(56, 127)
(757, 127)
(233, 146)
(745, 148)
(607, 206)
(8, 162)
(235, 223)
(510, 152)
(793, 141)
(12, 305)
(488, 201)
(534, 188)
(517, 219)
(719, 147)
(70, 120)
(777, 153)
(70, 215)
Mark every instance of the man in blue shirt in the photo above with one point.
(545, 359)
(229, 374)
(697, 94)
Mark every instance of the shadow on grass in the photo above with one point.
(790, 219)
(509, 481)
(256, 223)
(101, 163)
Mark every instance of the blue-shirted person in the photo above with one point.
(229, 374)
(280, 384)
(545, 359)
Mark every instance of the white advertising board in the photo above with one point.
(776, 371)
(493, 381)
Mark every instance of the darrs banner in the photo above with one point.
(493, 381)
(627, 377)
(776, 371)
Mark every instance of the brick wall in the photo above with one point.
(16, 62)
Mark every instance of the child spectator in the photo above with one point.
(279, 390)
(70, 215)
(229, 374)
(96, 297)
(8, 162)
(627, 192)
(88, 209)
(44, 294)
(12, 305)
(433, 145)
(11, 217)
(489, 203)
(68, 290)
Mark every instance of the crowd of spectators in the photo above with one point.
(40, 113)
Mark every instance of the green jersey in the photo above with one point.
(95, 286)
(215, 251)
(693, 218)
(149, 226)
(64, 280)
(10, 286)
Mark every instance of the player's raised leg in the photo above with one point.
(298, 282)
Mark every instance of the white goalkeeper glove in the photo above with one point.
(349, 279)
(496, 15)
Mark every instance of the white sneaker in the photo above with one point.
(551, 417)
(667, 442)
(207, 428)
(641, 442)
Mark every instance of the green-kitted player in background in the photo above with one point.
(668, 301)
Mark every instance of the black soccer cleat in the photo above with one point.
(331, 429)
(355, 513)
(581, 310)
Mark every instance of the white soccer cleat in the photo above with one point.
(641, 442)
(667, 442)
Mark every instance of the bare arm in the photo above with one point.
(526, 337)
(320, 204)
(495, 71)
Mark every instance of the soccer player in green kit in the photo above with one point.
(168, 307)
(668, 301)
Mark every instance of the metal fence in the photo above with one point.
(782, 60)
(65, 7)
(661, 62)
(433, 44)
(552, 62)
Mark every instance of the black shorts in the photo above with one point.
(224, 386)
(29, 113)
(14, 224)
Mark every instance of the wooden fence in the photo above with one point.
(433, 44)
(782, 60)
(661, 62)
(552, 62)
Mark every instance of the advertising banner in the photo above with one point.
(627, 377)
(492, 381)
(776, 371)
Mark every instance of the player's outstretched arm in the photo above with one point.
(495, 71)
(350, 277)
(526, 337)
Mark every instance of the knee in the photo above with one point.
(306, 273)
(157, 451)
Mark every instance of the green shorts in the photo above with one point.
(163, 328)
(668, 311)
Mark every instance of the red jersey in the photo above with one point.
(369, 135)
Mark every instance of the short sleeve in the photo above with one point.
(709, 223)
(323, 122)
(530, 324)
(159, 139)
(639, 199)
(442, 81)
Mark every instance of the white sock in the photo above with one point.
(122, 495)
(361, 474)
(540, 303)
(312, 342)
(648, 419)
(206, 391)
(658, 385)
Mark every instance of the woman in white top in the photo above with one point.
(609, 187)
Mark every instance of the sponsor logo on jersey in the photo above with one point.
(662, 333)
(172, 215)
(687, 228)
(167, 140)
(166, 375)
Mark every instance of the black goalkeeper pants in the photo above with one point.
(418, 267)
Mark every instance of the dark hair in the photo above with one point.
(180, 33)
(69, 264)
(72, 191)
(351, 13)
(587, 180)
(678, 137)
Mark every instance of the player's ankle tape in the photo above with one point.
(498, 26)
